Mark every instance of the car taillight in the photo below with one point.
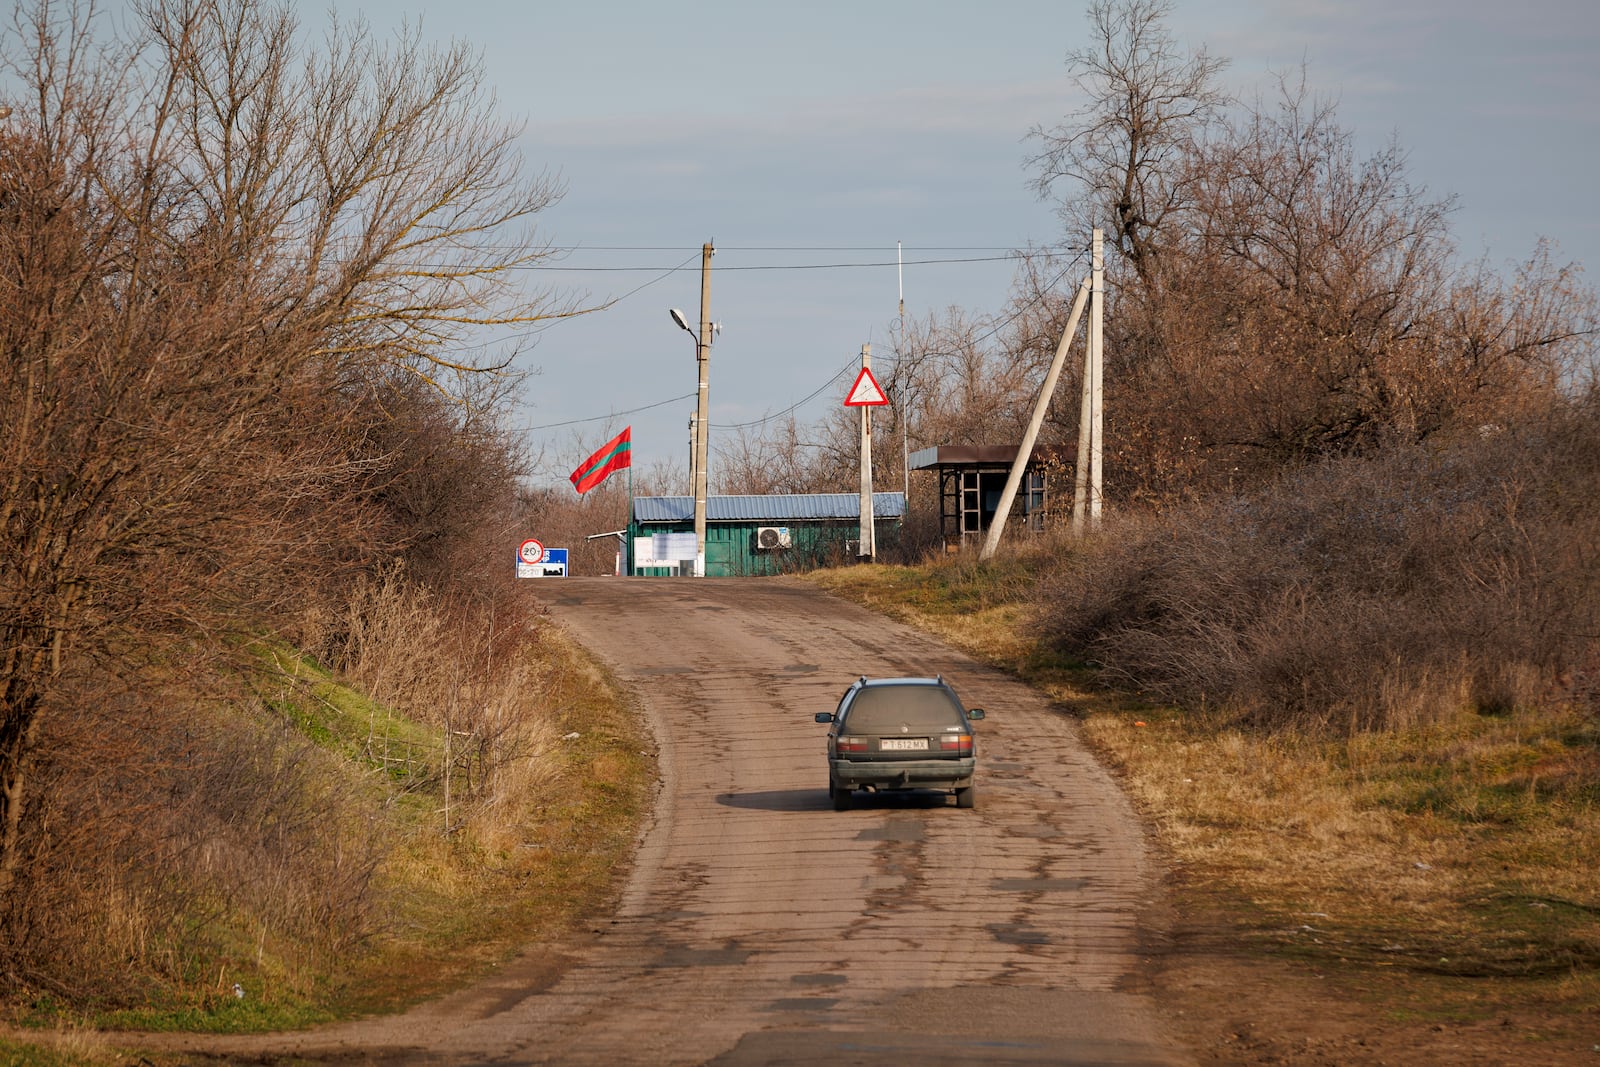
(960, 744)
(852, 744)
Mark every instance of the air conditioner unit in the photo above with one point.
(772, 537)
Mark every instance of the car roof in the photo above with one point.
(865, 681)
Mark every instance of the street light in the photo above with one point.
(702, 355)
(696, 421)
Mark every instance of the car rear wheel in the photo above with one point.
(840, 797)
(966, 798)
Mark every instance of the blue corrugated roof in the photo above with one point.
(784, 506)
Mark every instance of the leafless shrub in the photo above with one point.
(1362, 593)
(442, 474)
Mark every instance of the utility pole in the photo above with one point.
(1097, 311)
(1087, 484)
(905, 430)
(1091, 412)
(702, 353)
(694, 448)
(866, 548)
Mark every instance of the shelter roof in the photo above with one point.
(777, 507)
(981, 457)
(927, 459)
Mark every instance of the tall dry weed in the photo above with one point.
(456, 666)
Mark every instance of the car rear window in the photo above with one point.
(918, 708)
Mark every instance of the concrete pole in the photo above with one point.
(702, 352)
(1097, 308)
(1008, 495)
(1086, 486)
(1080, 482)
(866, 548)
(694, 447)
(905, 428)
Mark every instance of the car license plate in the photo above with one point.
(903, 744)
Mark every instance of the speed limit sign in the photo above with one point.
(532, 551)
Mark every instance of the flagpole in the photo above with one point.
(627, 528)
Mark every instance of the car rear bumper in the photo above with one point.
(902, 774)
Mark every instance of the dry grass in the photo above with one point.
(539, 842)
(273, 838)
(976, 607)
(1467, 849)
(65, 1045)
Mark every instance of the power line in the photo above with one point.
(783, 248)
(840, 373)
(543, 326)
(992, 331)
(557, 268)
(996, 328)
(667, 272)
(884, 263)
(763, 248)
(612, 415)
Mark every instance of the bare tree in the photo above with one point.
(780, 456)
(1278, 297)
(212, 242)
(950, 380)
(1310, 307)
(1149, 105)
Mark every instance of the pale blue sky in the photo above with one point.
(827, 127)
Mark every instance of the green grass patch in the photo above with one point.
(224, 1014)
(342, 719)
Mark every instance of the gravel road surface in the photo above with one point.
(762, 927)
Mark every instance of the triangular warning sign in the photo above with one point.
(866, 392)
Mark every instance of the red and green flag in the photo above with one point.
(613, 456)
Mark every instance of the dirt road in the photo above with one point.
(759, 926)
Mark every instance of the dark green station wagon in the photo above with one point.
(894, 734)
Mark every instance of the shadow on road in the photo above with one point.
(817, 800)
(778, 800)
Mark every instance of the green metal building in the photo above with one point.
(756, 535)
